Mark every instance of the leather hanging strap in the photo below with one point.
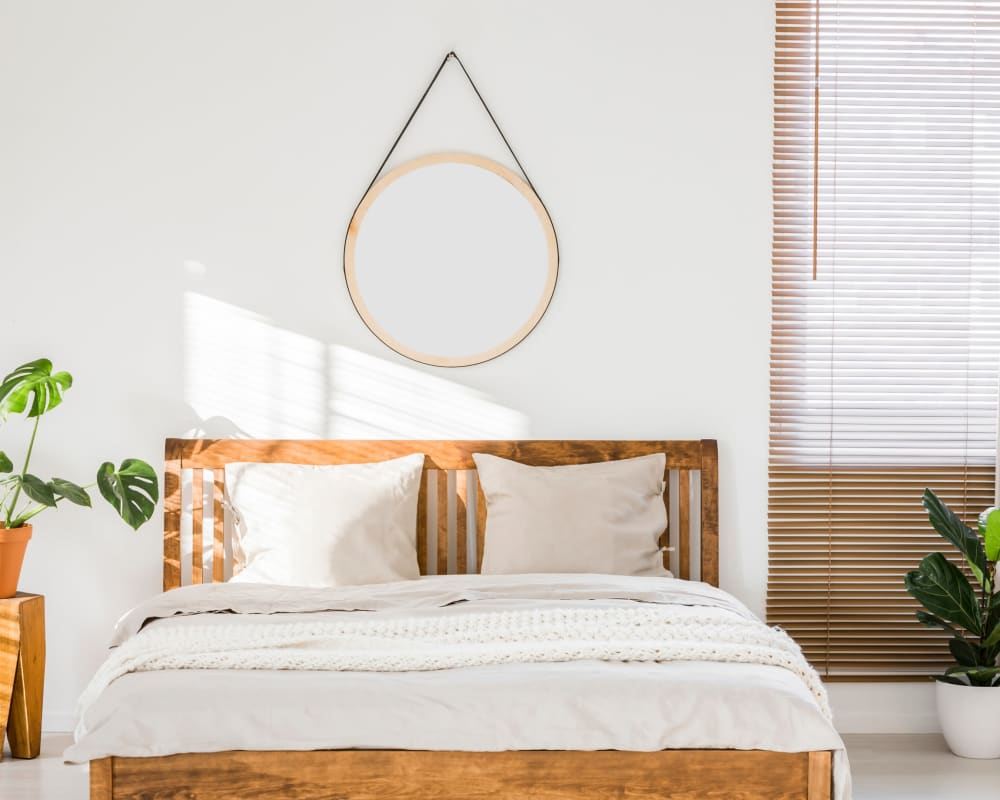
(444, 62)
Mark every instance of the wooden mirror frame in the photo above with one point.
(350, 267)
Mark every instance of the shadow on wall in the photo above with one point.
(246, 377)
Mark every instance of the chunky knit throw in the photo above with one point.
(448, 640)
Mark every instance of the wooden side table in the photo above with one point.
(22, 672)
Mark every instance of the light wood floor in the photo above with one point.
(886, 767)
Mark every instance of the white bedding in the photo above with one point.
(671, 694)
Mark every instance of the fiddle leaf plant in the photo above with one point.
(33, 389)
(970, 613)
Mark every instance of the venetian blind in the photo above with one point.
(884, 367)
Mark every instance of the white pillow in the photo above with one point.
(605, 517)
(304, 525)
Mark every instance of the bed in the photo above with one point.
(483, 759)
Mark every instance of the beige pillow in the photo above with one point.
(605, 517)
(304, 525)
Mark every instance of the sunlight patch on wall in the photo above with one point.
(245, 376)
(242, 370)
(371, 398)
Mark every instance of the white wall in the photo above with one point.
(175, 181)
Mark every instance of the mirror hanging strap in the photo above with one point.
(453, 55)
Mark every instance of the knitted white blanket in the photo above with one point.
(646, 632)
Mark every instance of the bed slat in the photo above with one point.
(480, 523)
(171, 522)
(709, 552)
(665, 536)
(197, 525)
(422, 524)
(218, 527)
(461, 521)
(442, 522)
(684, 523)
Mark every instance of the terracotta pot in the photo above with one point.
(13, 543)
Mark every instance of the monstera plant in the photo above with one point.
(34, 390)
(969, 610)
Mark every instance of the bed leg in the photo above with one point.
(820, 775)
(100, 780)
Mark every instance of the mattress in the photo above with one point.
(576, 704)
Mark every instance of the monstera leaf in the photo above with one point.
(69, 490)
(33, 386)
(943, 590)
(37, 489)
(132, 489)
(34, 389)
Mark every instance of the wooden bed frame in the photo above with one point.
(450, 542)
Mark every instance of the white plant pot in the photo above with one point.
(970, 719)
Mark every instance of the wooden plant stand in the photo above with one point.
(22, 672)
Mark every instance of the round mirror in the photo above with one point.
(451, 259)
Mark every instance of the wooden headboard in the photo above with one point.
(449, 542)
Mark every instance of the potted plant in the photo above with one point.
(968, 694)
(34, 389)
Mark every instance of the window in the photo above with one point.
(884, 365)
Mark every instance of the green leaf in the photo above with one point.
(133, 490)
(72, 492)
(947, 523)
(932, 621)
(978, 676)
(943, 590)
(6, 465)
(992, 624)
(989, 527)
(992, 638)
(38, 490)
(964, 652)
(33, 386)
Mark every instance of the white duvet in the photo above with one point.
(462, 662)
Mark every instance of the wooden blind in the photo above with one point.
(884, 367)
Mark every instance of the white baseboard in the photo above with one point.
(884, 707)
